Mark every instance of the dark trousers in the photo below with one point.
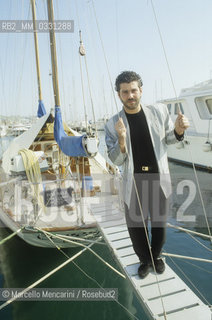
(154, 205)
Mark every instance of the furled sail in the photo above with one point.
(41, 109)
(70, 145)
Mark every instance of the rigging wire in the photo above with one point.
(83, 93)
(7, 39)
(4, 103)
(106, 115)
(82, 245)
(71, 97)
(200, 243)
(89, 88)
(190, 231)
(202, 202)
(19, 82)
(80, 239)
(34, 86)
(189, 280)
(179, 109)
(67, 256)
(69, 259)
(172, 84)
(117, 34)
(88, 276)
(185, 257)
(11, 236)
(16, 83)
(198, 267)
(83, 54)
(176, 98)
(150, 251)
(13, 82)
(105, 57)
(33, 285)
(92, 39)
(134, 182)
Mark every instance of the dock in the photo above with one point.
(174, 296)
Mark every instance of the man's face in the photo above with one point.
(130, 95)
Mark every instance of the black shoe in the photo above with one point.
(159, 265)
(144, 269)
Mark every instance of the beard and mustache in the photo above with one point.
(130, 105)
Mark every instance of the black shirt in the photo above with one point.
(142, 148)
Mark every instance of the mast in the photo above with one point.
(53, 53)
(36, 49)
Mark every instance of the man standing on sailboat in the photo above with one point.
(137, 139)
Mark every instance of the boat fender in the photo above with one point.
(180, 145)
(206, 147)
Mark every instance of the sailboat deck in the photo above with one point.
(179, 301)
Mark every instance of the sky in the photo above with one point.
(130, 39)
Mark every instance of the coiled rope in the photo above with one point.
(33, 173)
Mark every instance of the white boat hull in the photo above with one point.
(191, 151)
(39, 239)
(57, 205)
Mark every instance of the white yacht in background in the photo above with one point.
(196, 103)
(3, 130)
(16, 129)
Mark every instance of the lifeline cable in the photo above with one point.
(85, 273)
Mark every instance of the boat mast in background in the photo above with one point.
(53, 54)
(41, 108)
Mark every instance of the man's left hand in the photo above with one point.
(181, 123)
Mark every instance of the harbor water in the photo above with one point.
(22, 264)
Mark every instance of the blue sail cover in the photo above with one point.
(71, 146)
(41, 109)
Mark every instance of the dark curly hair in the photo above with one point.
(127, 77)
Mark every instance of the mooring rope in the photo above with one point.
(190, 231)
(11, 236)
(89, 277)
(190, 281)
(198, 267)
(82, 245)
(34, 284)
(185, 257)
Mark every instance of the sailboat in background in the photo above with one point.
(48, 174)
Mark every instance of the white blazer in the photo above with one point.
(161, 130)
